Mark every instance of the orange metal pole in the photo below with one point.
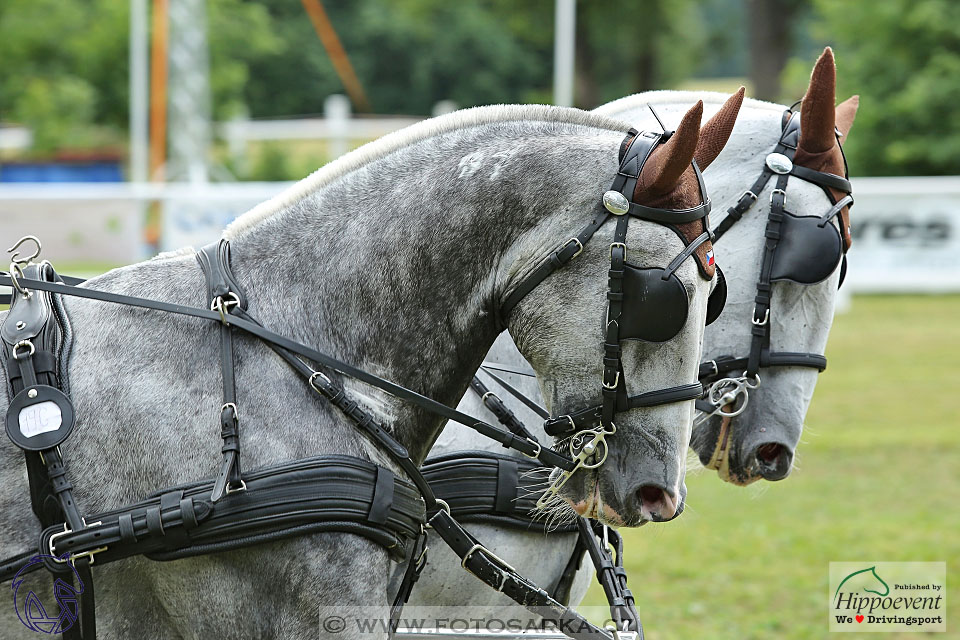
(341, 63)
(158, 89)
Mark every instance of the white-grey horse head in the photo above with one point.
(760, 442)
(560, 326)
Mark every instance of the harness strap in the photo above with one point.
(611, 574)
(558, 258)
(499, 575)
(727, 364)
(224, 294)
(527, 447)
(585, 418)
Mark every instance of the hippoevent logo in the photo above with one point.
(888, 596)
(30, 609)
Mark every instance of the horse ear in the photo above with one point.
(846, 111)
(666, 164)
(817, 116)
(715, 133)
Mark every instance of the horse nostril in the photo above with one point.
(768, 453)
(649, 494)
(656, 504)
(774, 460)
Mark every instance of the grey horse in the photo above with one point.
(395, 259)
(803, 315)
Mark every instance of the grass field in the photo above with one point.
(878, 479)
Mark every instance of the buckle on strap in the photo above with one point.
(536, 454)
(499, 562)
(73, 556)
(616, 381)
(765, 320)
(579, 247)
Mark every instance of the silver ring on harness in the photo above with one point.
(222, 304)
(23, 343)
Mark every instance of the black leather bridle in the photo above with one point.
(588, 428)
(724, 391)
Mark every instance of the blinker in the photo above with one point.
(779, 163)
(616, 203)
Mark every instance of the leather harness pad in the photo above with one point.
(486, 487)
(325, 493)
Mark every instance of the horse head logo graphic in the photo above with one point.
(868, 577)
(30, 608)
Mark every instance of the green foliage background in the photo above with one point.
(65, 62)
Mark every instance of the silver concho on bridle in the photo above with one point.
(616, 203)
(779, 163)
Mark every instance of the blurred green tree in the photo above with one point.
(903, 58)
(65, 64)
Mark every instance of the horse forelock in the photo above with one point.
(422, 131)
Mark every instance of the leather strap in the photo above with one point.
(546, 456)
(225, 295)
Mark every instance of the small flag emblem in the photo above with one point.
(709, 257)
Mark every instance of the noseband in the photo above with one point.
(801, 249)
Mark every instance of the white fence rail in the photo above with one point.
(906, 230)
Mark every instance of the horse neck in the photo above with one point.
(397, 267)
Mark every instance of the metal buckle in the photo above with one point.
(716, 368)
(240, 488)
(502, 565)
(760, 323)
(23, 343)
(231, 405)
(781, 192)
(536, 455)
(748, 193)
(580, 244)
(616, 381)
(320, 374)
(618, 244)
(483, 398)
(73, 557)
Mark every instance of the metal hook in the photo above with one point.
(24, 261)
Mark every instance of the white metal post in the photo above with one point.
(139, 77)
(564, 44)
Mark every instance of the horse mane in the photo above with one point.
(681, 97)
(426, 129)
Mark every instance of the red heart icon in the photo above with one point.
(859, 618)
